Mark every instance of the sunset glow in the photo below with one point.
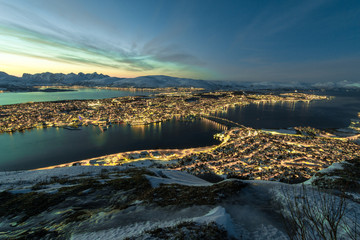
(276, 41)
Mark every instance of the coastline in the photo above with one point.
(132, 110)
(195, 159)
(130, 89)
(117, 159)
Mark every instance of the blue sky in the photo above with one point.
(216, 40)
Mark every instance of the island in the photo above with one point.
(138, 110)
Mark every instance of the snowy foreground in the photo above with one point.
(84, 202)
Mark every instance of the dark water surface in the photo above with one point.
(45, 147)
(51, 146)
(335, 113)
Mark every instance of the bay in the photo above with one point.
(45, 147)
(82, 93)
(38, 148)
(324, 114)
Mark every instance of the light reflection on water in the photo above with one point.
(51, 146)
(335, 113)
(44, 147)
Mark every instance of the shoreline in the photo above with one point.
(131, 89)
(131, 110)
(151, 154)
(167, 155)
(118, 159)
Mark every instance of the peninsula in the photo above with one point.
(132, 110)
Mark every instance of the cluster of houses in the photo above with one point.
(254, 154)
(129, 110)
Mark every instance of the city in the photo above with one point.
(168, 120)
(245, 153)
(131, 110)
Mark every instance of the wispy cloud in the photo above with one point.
(42, 39)
(257, 40)
(32, 43)
(171, 53)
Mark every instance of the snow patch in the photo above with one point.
(175, 177)
(220, 217)
(217, 215)
(280, 131)
(24, 179)
(332, 167)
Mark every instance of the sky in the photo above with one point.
(254, 40)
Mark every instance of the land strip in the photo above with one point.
(246, 153)
(139, 110)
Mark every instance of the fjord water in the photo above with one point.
(45, 147)
(51, 146)
(334, 113)
(82, 93)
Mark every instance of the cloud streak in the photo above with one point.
(56, 49)
(236, 40)
(45, 40)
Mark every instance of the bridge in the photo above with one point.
(223, 121)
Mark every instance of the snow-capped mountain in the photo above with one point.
(61, 78)
(95, 79)
(6, 78)
(155, 81)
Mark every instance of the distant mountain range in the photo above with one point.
(27, 81)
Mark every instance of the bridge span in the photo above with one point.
(223, 121)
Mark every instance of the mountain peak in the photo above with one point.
(158, 81)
